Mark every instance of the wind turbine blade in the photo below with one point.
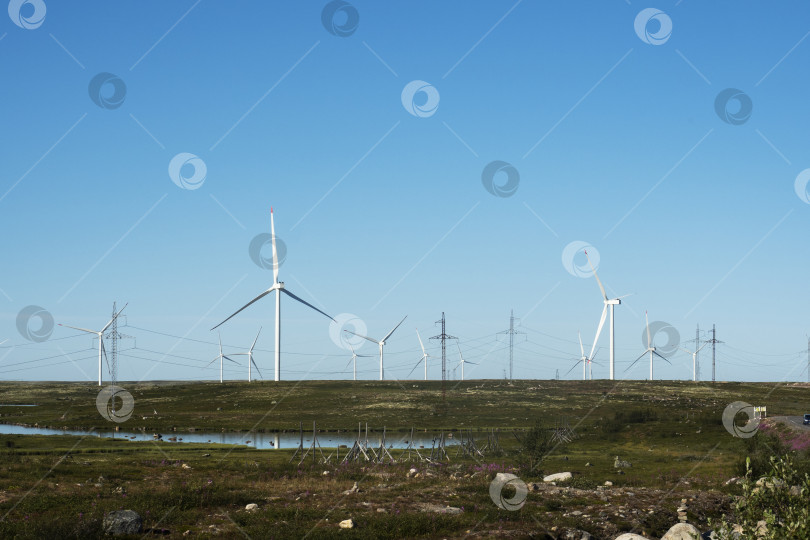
(350, 362)
(646, 318)
(307, 304)
(662, 358)
(636, 360)
(599, 330)
(601, 287)
(257, 368)
(273, 240)
(212, 361)
(414, 367)
(572, 367)
(220, 343)
(706, 343)
(104, 351)
(420, 341)
(581, 348)
(265, 293)
(257, 339)
(231, 359)
(473, 363)
(392, 331)
(115, 317)
(364, 337)
(82, 329)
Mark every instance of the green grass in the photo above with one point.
(670, 431)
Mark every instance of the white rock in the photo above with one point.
(559, 477)
(682, 531)
(252, 506)
(347, 524)
(185, 466)
(770, 482)
(325, 473)
(631, 536)
(608, 483)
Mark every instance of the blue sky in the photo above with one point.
(616, 141)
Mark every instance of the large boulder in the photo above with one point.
(122, 522)
(558, 477)
(682, 531)
(631, 536)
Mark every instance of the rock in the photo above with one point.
(502, 477)
(682, 531)
(252, 506)
(187, 533)
(631, 536)
(185, 466)
(439, 509)
(770, 483)
(353, 489)
(608, 483)
(795, 491)
(558, 477)
(411, 473)
(122, 522)
(619, 464)
(734, 480)
(347, 524)
(381, 510)
(588, 464)
(325, 473)
(576, 534)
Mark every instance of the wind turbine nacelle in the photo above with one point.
(614, 302)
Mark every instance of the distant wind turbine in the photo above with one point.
(220, 357)
(381, 343)
(277, 286)
(354, 358)
(101, 350)
(585, 360)
(462, 361)
(424, 358)
(249, 354)
(694, 358)
(650, 349)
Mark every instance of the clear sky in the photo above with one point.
(612, 121)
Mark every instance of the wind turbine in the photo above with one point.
(381, 343)
(354, 358)
(650, 349)
(584, 359)
(220, 357)
(249, 354)
(277, 286)
(425, 355)
(612, 303)
(100, 334)
(462, 361)
(694, 358)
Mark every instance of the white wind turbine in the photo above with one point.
(424, 358)
(612, 303)
(220, 357)
(650, 349)
(585, 360)
(277, 286)
(101, 350)
(381, 343)
(354, 358)
(461, 362)
(249, 354)
(694, 358)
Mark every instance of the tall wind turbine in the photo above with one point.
(650, 349)
(425, 355)
(277, 286)
(612, 303)
(381, 343)
(462, 361)
(220, 357)
(100, 334)
(249, 354)
(354, 358)
(694, 358)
